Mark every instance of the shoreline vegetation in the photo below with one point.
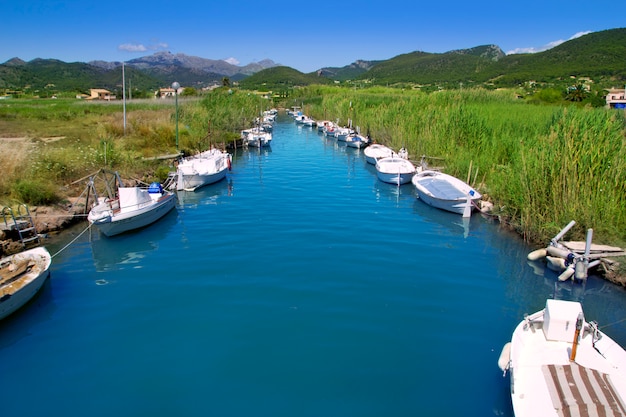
(540, 165)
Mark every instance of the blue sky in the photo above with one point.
(305, 35)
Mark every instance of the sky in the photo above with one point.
(304, 35)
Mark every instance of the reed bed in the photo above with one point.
(49, 144)
(541, 166)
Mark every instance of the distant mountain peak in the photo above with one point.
(492, 52)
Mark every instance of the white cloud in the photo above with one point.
(139, 47)
(232, 61)
(549, 45)
(132, 47)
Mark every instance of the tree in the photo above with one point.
(225, 82)
(577, 93)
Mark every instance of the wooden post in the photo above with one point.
(579, 326)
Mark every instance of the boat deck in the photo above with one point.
(579, 391)
(441, 188)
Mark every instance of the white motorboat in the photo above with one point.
(21, 277)
(341, 133)
(445, 192)
(133, 208)
(205, 168)
(322, 124)
(256, 137)
(395, 170)
(562, 365)
(377, 151)
(357, 141)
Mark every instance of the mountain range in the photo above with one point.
(596, 55)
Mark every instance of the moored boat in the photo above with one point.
(395, 170)
(562, 365)
(377, 151)
(256, 137)
(205, 168)
(445, 192)
(21, 277)
(133, 208)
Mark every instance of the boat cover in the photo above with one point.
(132, 198)
(579, 391)
(441, 188)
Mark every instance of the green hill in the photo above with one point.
(281, 78)
(55, 75)
(598, 54)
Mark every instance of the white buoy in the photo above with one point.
(557, 252)
(537, 254)
(555, 263)
(567, 274)
(504, 361)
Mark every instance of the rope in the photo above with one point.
(611, 324)
(73, 240)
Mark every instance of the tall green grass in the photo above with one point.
(541, 165)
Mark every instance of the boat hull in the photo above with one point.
(20, 291)
(125, 222)
(203, 169)
(395, 170)
(192, 182)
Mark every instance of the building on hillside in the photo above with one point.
(100, 94)
(167, 92)
(616, 98)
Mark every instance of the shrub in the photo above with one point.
(34, 192)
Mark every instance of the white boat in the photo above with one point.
(395, 170)
(445, 192)
(562, 365)
(21, 277)
(205, 168)
(357, 141)
(376, 151)
(341, 133)
(133, 208)
(322, 124)
(256, 137)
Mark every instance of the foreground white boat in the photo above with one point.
(377, 151)
(395, 170)
(445, 192)
(134, 208)
(562, 365)
(21, 277)
(205, 168)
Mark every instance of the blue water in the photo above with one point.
(298, 286)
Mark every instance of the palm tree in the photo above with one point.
(577, 93)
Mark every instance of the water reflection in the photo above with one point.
(126, 251)
(38, 310)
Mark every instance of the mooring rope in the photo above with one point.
(612, 324)
(73, 240)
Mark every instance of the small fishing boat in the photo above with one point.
(377, 151)
(134, 207)
(205, 168)
(21, 277)
(256, 137)
(357, 141)
(445, 192)
(395, 170)
(562, 365)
